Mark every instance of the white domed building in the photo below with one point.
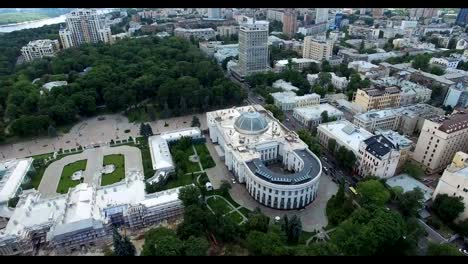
(278, 169)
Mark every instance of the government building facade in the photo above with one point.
(278, 169)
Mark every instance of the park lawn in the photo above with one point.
(218, 205)
(235, 216)
(118, 174)
(205, 157)
(36, 179)
(246, 212)
(174, 182)
(146, 157)
(65, 179)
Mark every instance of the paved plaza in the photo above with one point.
(91, 131)
(92, 174)
(312, 216)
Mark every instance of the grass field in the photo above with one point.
(219, 205)
(40, 167)
(10, 18)
(65, 179)
(146, 157)
(235, 216)
(118, 174)
(205, 157)
(174, 182)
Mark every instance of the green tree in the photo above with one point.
(332, 145)
(265, 244)
(448, 208)
(277, 113)
(411, 202)
(51, 131)
(373, 192)
(324, 116)
(258, 222)
(436, 70)
(421, 61)
(190, 195)
(163, 245)
(292, 228)
(195, 121)
(434, 249)
(122, 245)
(12, 202)
(413, 170)
(196, 246)
(225, 187)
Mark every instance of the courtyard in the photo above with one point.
(124, 158)
(66, 179)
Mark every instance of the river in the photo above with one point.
(42, 22)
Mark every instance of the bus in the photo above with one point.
(353, 190)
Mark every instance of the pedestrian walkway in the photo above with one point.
(233, 209)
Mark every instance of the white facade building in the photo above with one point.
(338, 82)
(84, 26)
(160, 153)
(312, 115)
(345, 133)
(378, 157)
(85, 216)
(454, 181)
(298, 64)
(457, 96)
(285, 86)
(12, 174)
(40, 48)
(196, 33)
(251, 139)
(451, 63)
(289, 100)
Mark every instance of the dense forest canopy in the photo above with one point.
(171, 73)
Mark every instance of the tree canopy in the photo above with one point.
(448, 207)
(373, 192)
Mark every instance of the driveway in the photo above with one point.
(92, 173)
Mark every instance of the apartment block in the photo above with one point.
(378, 97)
(454, 181)
(84, 26)
(40, 48)
(440, 139)
(317, 49)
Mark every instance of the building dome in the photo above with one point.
(251, 123)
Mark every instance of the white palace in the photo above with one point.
(277, 167)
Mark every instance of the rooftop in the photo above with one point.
(379, 91)
(454, 122)
(378, 146)
(314, 112)
(159, 147)
(286, 86)
(349, 134)
(291, 97)
(12, 173)
(409, 183)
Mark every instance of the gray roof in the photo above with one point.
(64, 230)
(251, 123)
(310, 171)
